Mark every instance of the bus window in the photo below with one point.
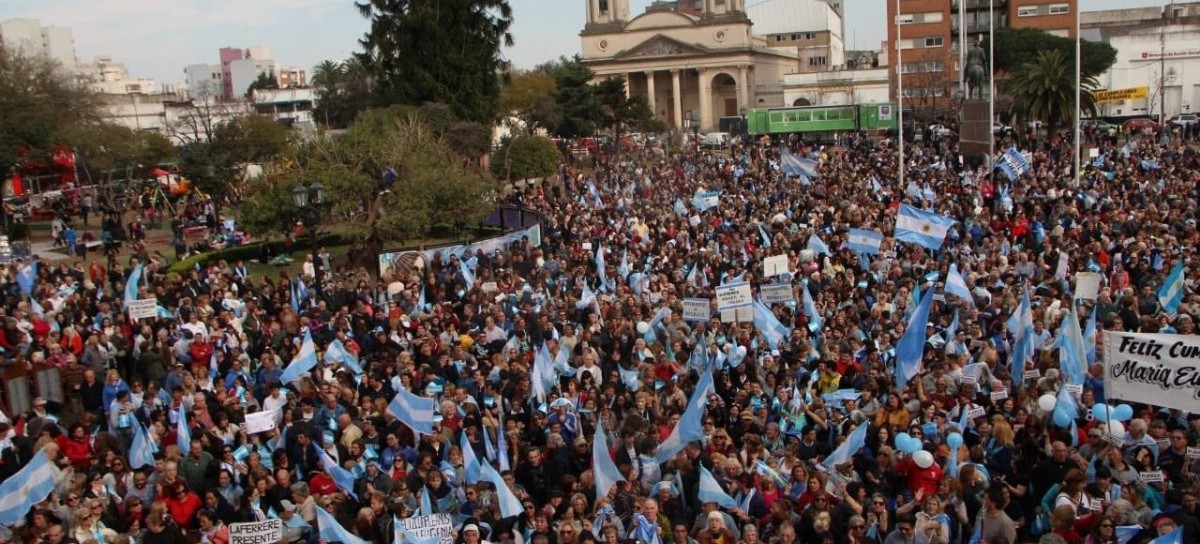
(803, 116)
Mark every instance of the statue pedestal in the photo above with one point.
(975, 131)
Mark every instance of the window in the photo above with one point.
(817, 61)
(1059, 9)
(1027, 11)
(905, 18)
(931, 17)
(934, 41)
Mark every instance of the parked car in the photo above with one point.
(1184, 121)
(1142, 125)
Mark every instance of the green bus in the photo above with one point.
(874, 119)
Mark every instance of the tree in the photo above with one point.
(446, 52)
(1016, 46)
(39, 104)
(217, 166)
(579, 107)
(530, 97)
(525, 157)
(1044, 88)
(343, 91)
(623, 112)
(105, 151)
(263, 81)
(431, 185)
(469, 139)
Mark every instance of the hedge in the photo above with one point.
(249, 252)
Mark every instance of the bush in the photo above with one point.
(250, 252)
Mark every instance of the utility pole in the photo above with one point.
(900, 95)
(1162, 76)
(1078, 91)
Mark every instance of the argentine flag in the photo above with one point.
(957, 286)
(817, 245)
(710, 490)
(923, 228)
(416, 412)
(304, 361)
(29, 486)
(864, 241)
(1170, 295)
(606, 472)
(847, 449)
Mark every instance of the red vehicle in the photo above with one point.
(1140, 125)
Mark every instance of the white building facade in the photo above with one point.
(837, 87)
(29, 37)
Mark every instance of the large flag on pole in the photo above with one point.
(603, 467)
(923, 228)
(911, 347)
(414, 411)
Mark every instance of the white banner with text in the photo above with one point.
(1157, 369)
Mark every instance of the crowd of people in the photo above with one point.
(151, 429)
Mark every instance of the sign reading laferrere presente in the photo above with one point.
(422, 528)
(1158, 369)
(256, 532)
(1119, 95)
(734, 295)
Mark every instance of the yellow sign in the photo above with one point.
(1120, 95)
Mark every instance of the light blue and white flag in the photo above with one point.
(26, 277)
(467, 275)
(771, 327)
(1173, 537)
(923, 228)
(1125, 533)
(502, 446)
(416, 412)
(680, 208)
(600, 267)
(426, 503)
(864, 241)
(509, 504)
(29, 486)
(689, 427)
(957, 286)
(629, 378)
(623, 268)
(766, 238)
(1013, 163)
(342, 477)
(604, 468)
(815, 321)
(183, 434)
(330, 530)
(141, 452)
(336, 353)
(1170, 295)
(470, 461)
(911, 346)
(793, 165)
(846, 450)
(131, 285)
(1089, 338)
(951, 331)
(710, 490)
(1020, 324)
(817, 245)
(304, 361)
(1072, 353)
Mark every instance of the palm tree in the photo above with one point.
(328, 77)
(1044, 88)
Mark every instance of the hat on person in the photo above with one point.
(288, 506)
(39, 401)
(471, 527)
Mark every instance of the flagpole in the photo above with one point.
(1079, 67)
(900, 95)
(992, 89)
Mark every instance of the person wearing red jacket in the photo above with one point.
(921, 479)
(77, 446)
(182, 504)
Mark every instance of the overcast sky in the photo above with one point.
(157, 39)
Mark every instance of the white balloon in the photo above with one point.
(642, 327)
(923, 458)
(1046, 402)
(1114, 427)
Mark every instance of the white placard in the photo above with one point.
(999, 395)
(587, 246)
(260, 422)
(774, 293)
(775, 265)
(1152, 477)
(976, 413)
(1087, 285)
(1032, 374)
(422, 528)
(1155, 369)
(966, 379)
(1163, 444)
(1193, 453)
(697, 309)
(734, 295)
(489, 287)
(738, 315)
(256, 532)
(142, 308)
(1074, 388)
(1112, 438)
(1093, 152)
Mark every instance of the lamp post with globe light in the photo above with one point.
(308, 201)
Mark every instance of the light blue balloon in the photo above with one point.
(1122, 412)
(1062, 418)
(954, 440)
(1101, 412)
(902, 441)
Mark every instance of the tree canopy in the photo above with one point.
(216, 166)
(105, 150)
(1016, 46)
(524, 157)
(343, 90)
(39, 106)
(1044, 88)
(427, 184)
(446, 52)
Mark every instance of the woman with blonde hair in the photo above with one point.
(1000, 448)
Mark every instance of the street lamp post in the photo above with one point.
(309, 201)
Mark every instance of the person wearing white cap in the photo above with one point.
(472, 535)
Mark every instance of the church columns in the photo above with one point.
(676, 100)
(705, 99)
(628, 82)
(743, 87)
(650, 92)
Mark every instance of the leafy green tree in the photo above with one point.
(469, 139)
(432, 186)
(524, 157)
(530, 96)
(1044, 88)
(105, 151)
(621, 112)
(579, 108)
(1016, 46)
(263, 81)
(446, 52)
(39, 105)
(217, 166)
(343, 91)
